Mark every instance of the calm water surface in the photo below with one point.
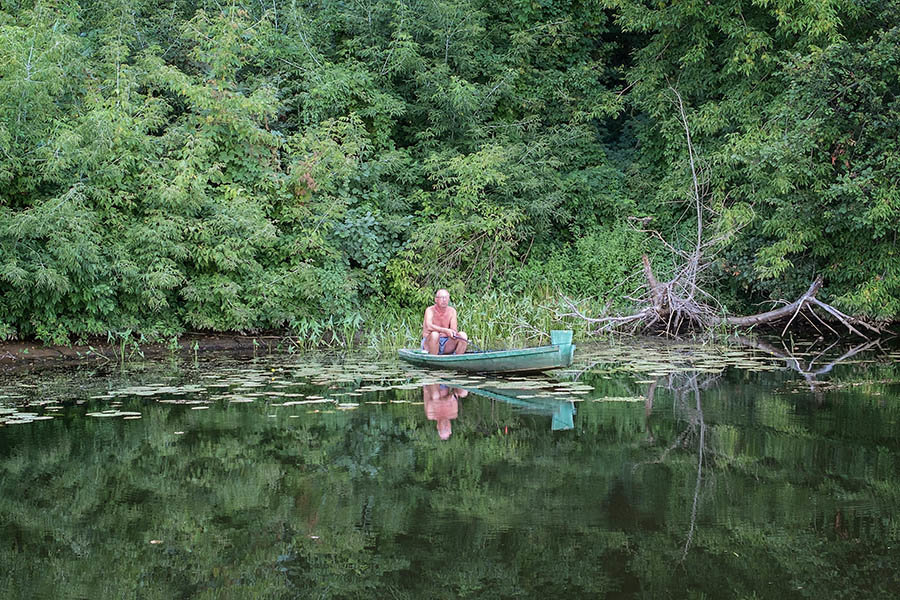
(645, 471)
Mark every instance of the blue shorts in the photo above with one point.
(441, 342)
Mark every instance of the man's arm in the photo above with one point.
(426, 322)
(453, 327)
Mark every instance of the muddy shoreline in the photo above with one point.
(33, 356)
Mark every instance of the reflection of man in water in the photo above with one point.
(442, 405)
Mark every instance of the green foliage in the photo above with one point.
(830, 172)
(251, 166)
(601, 260)
(792, 107)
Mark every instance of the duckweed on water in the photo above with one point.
(295, 380)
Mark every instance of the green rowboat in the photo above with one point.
(542, 358)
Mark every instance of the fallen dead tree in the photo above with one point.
(807, 302)
(675, 307)
(680, 305)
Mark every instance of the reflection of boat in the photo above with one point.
(562, 412)
(542, 358)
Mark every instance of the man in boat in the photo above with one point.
(440, 334)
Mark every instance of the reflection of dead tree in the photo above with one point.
(700, 445)
(680, 304)
(809, 370)
(648, 409)
(686, 387)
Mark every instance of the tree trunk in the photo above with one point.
(779, 313)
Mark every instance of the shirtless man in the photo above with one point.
(439, 330)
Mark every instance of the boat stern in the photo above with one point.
(563, 339)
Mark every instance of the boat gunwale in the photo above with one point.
(417, 354)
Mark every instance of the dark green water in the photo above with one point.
(643, 472)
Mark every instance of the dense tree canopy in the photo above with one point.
(243, 165)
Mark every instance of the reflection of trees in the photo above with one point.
(369, 504)
(766, 465)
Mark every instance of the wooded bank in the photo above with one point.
(322, 166)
